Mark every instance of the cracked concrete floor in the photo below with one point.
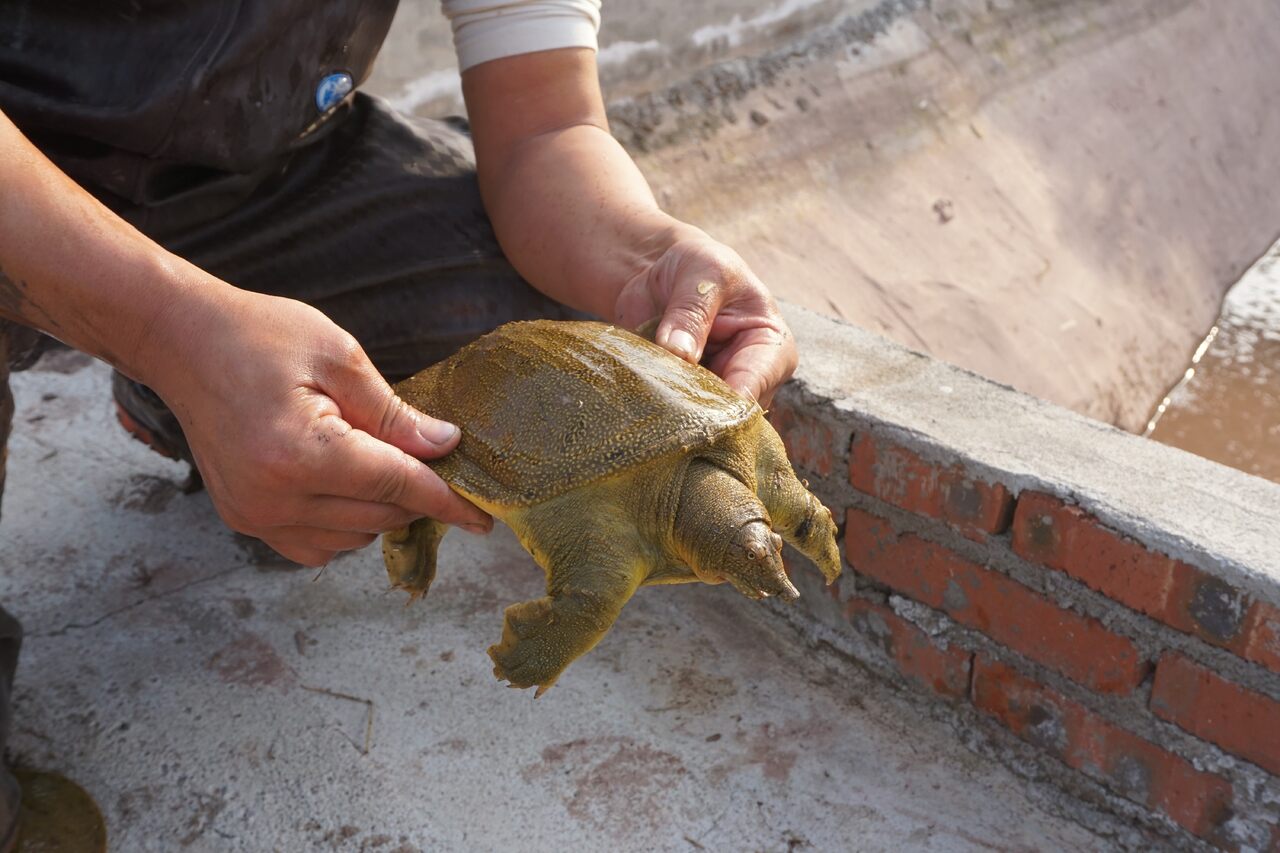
(209, 702)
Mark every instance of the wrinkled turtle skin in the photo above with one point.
(617, 465)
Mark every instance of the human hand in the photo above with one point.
(713, 310)
(300, 441)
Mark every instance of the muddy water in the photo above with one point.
(1227, 406)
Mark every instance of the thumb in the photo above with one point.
(368, 403)
(686, 321)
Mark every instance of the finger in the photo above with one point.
(320, 539)
(368, 403)
(756, 363)
(367, 469)
(686, 321)
(300, 554)
(356, 516)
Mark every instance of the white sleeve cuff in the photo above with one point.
(484, 30)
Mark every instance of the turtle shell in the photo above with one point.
(546, 406)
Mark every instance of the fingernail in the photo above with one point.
(438, 432)
(682, 343)
(477, 528)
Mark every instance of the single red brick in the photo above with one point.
(1066, 538)
(1003, 609)
(944, 671)
(810, 443)
(903, 478)
(1262, 636)
(1241, 721)
(1131, 766)
(1209, 608)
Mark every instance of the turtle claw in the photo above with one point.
(415, 593)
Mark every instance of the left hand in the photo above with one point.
(714, 311)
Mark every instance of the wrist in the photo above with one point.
(640, 259)
(178, 318)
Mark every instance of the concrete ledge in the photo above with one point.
(1112, 602)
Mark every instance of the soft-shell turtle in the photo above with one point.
(617, 464)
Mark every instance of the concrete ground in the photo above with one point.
(213, 700)
(643, 45)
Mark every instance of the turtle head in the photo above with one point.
(753, 563)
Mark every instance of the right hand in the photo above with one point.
(300, 441)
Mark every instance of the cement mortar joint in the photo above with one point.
(924, 617)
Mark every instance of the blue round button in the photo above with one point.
(332, 90)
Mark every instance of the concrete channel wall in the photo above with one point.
(1099, 610)
(1054, 194)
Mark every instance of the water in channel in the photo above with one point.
(1227, 406)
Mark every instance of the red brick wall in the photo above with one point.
(1115, 660)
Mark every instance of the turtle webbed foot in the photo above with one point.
(524, 657)
(540, 638)
(410, 555)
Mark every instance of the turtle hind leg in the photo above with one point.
(796, 513)
(410, 555)
(590, 576)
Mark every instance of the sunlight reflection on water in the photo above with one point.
(1227, 407)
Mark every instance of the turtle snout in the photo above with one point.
(789, 591)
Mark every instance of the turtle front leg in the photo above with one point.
(590, 576)
(723, 532)
(410, 555)
(797, 514)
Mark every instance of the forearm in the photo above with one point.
(72, 268)
(576, 217)
(570, 208)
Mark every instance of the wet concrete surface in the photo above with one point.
(211, 702)
(1227, 406)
